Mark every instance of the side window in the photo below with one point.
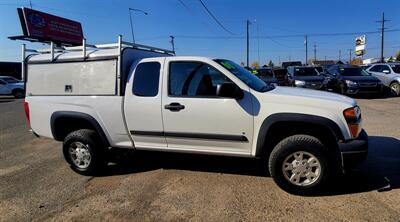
(376, 68)
(146, 79)
(194, 79)
(385, 68)
(2, 82)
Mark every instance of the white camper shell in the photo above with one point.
(84, 70)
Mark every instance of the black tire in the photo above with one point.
(288, 147)
(394, 89)
(18, 93)
(96, 149)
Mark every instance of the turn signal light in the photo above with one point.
(354, 129)
(352, 113)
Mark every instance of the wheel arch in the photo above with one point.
(64, 122)
(292, 123)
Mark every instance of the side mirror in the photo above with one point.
(386, 71)
(229, 90)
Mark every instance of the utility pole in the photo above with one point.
(172, 42)
(30, 3)
(340, 54)
(350, 55)
(315, 52)
(306, 43)
(382, 34)
(247, 39)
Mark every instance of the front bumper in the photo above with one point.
(364, 90)
(354, 151)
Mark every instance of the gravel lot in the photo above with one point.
(36, 183)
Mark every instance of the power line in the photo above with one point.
(194, 14)
(286, 36)
(215, 19)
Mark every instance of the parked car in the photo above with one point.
(320, 69)
(267, 75)
(148, 99)
(11, 86)
(305, 77)
(365, 67)
(349, 79)
(281, 74)
(388, 74)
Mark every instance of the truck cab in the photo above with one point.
(140, 98)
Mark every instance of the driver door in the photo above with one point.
(202, 121)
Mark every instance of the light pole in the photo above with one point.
(130, 17)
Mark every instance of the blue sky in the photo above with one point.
(197, 34)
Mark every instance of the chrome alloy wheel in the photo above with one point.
(80, 155)
(301, 168)
(395, 88)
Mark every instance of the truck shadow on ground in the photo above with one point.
(380, 172)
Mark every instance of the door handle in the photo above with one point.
(174, 107)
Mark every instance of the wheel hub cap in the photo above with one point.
(79, 154)
(301, 168)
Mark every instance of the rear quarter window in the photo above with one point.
(146, 79)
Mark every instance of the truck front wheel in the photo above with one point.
(84, 152)
(298, 164)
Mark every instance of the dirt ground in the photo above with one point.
(37, 184)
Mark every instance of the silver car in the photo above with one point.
(389, 74)
(11, 86)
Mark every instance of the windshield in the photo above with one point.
(396, 68)
(353, 72)
(250, 79)
(305, 71)
(10, 80)
(319, 68)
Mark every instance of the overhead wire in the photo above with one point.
(215, 18)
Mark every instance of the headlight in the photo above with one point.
(353, 119)
(351, 83)
(299, 83)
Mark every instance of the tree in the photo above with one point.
(255, 65)
(356, 61)
(398, 56)
(270, 63)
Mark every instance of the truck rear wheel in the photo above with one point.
(298, 164)
(84, 152)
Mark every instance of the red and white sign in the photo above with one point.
(52, 28)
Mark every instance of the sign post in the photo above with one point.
(360, 45)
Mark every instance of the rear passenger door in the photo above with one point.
(142, 105)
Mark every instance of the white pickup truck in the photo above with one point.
(122, 95)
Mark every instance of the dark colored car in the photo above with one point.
(305, 77)
(267, 75)
(349, 79)
(281, 74)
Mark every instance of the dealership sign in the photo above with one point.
(360, 45)
(46, 27)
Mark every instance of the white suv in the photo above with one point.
(389, 74)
